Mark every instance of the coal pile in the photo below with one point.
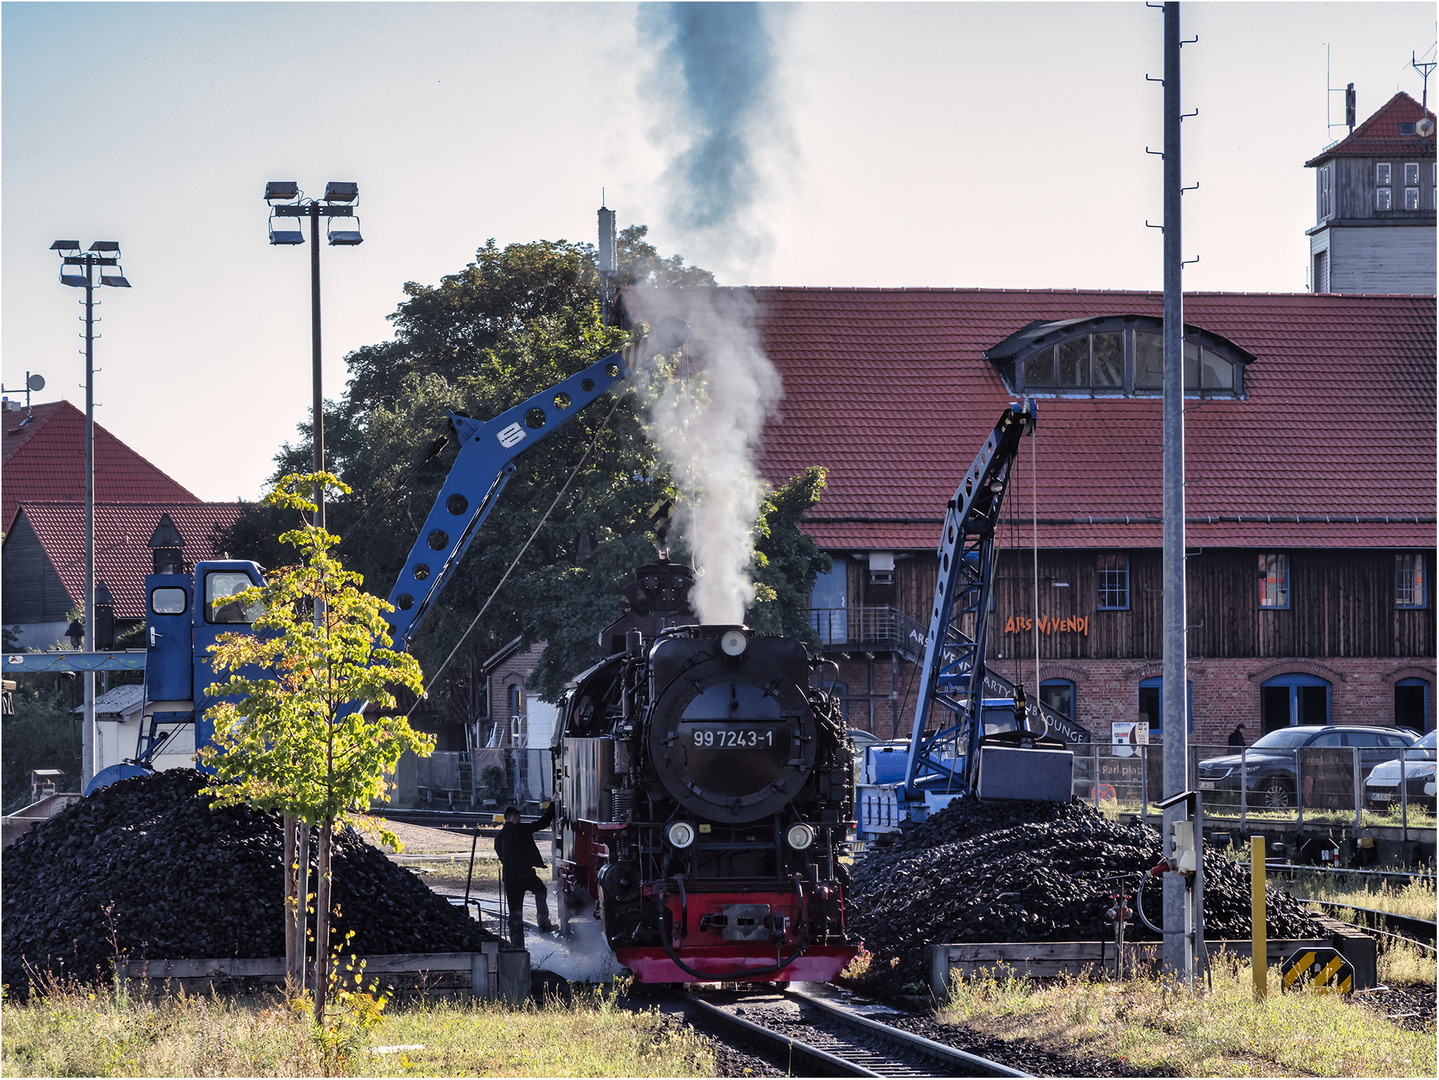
(1029, 871)
(183, 880)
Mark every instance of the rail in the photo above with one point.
(834, 1042)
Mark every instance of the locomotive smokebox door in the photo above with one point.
(731, 734)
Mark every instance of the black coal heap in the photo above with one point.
(181, 879)
(1029, 871)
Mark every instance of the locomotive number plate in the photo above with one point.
(731, 736)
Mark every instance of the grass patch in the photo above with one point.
(1414, 899)
(1157, 1029)
(79, 1032)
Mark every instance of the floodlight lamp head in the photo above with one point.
(281, 190)
(105, 245)
(340, 191)
(65, 245)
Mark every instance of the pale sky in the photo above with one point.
(935, 144)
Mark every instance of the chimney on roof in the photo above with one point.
(166, 543)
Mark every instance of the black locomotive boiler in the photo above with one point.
(704, 785)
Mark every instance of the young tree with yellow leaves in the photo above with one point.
(291, 731)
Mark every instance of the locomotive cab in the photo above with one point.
(705, 788)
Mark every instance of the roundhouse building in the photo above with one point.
(1310, 493)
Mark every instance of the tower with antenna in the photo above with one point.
(1374, 201)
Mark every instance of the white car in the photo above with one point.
(1381, 788)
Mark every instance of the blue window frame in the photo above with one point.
(1058, 694)
(1273, 581)
(1410, 585)
(1297, 698)
(828, 602)
(1112, 581)
(1151, 704)
(1411, 705)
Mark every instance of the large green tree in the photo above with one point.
(514, 321)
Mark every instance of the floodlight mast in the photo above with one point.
(286, 200)
(77, 270)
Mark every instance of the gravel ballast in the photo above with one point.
(147, 868)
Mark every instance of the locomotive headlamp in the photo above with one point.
(799, 836)
(733, 642)
(680, 834)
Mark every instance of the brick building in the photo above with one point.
(1310, 489)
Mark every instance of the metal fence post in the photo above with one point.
(1144, 785)
(1358, 789)
(1299, 791)
(1243, 789)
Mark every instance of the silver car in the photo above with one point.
(1381, 789)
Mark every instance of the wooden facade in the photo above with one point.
(1341, 604)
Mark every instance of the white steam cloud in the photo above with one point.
(707, 422)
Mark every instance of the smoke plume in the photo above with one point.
(707, 421)
(715, 88)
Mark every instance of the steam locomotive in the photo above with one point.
(704, 786)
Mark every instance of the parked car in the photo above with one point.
(1381, 788)
(1270, 763)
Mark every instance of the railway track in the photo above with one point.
(806, 1035)
(1420, 930)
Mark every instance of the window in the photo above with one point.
(1058, 694)
(1293, 699)
(1113, 582)
(1409, 581)
(1274, 581)
(1411, 704)
(1326, 192)
(220, 607)
(827, 602)
(1411, 198)
(1151, 704)
(1383, 199)
(517, 701)
(1411, 173)
(169, 601)
(1381, 173)
(1115, 355)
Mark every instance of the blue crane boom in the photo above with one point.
(186, 613)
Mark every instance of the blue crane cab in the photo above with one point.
(184, 615)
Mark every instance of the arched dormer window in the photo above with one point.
(1115, 356)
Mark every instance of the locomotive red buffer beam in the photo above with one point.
(750, 936)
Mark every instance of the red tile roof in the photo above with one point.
(44, 461)
(888, 389)
(1379, 135)
(122, 534)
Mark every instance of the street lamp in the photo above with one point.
(287, 201)
(79, 270)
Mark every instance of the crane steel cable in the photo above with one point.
(515, 562)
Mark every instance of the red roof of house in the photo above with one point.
(44, 461)
(889, 390)
(1379, 135)
(122, 535)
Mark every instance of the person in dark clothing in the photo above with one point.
(518, 854)
(1236, 737)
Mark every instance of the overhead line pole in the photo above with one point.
(1178, 943)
